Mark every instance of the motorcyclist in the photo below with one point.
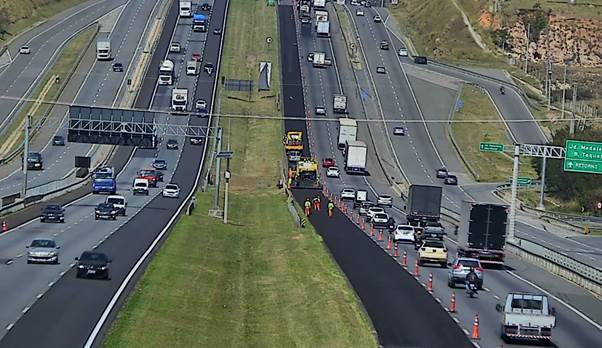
(471, 279)
(502, 89)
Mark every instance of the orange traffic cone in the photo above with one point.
(417, 269)
(404, 260)
(475, 328)
(430, 284)
(452, 305)
(396, 254)
(4, 226)
(371, 230)
(389, 243)
(380, 235)
(362, 225)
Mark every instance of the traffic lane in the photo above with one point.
(511, 105)
(27, 69)
(398, 293)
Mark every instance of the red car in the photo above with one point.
(196, 57)
(149, 174)
(328, 162)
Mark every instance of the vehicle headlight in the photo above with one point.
(103, 268)
(80, 266)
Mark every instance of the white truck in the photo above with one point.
(347, 131)
(339, 104)
(103, 49)
(166, 72)
(319, 3)
(355, 157)
(319, 60)
(527, 317)
(321, 16)
(179, 99)
(323, 29)
(192, 67)
(185, 8)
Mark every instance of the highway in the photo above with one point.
(395, 99)
(124, 240)
(101, 87)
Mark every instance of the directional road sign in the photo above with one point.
(491, 147)
(583, 156)
(521, 180)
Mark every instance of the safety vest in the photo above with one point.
(307, 204)
(330, 205)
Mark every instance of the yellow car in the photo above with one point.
(432, 251)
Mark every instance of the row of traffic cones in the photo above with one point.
(4, 226)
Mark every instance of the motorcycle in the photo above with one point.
(472, 290)
(502, 90)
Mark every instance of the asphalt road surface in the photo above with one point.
(125, 240)
(323, 84)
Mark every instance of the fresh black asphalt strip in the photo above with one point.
(402, 312)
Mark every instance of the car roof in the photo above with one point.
(172, 184)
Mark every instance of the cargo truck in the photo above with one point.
(321, 16)
(185, 8)
(323, 29)
(527, 317)
(319, 60)
(166, 72)
(179, 99)
(355, 157)
(199, 23)
(103, 49)
(339, 104)
(423, 204)
(347, 131)
(192, 67)
(103, 181)
(482, 231)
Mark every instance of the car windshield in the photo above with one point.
(43, 243)
(405, 228)
(469, 263)
(172, 141)
(115, 200)
(53, 207)
(160, 162)
(527, 304)
(434, 244)
(141, 184)
(376, 210)
(90, 256)
(146, 172)
(171, 187)
(384, 197)
(381, 216)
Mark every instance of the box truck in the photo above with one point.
(423, 205)
(355, 157)
(347, 131)
(482, 231)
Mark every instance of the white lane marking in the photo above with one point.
(10, 326)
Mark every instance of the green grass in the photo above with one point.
(259, 281)
(349, 36)
(64, 65)
(584, 9)
(490, 167)
(23, 14)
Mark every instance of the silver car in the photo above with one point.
(385, 200)
(43, 251)
(460, 268)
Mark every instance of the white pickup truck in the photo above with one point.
(527, 317)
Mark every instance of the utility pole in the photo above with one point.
(572, 125)
(527, 48)
(549, 78)
(25, 155)
(563, 90)
(217, 169)
(227, 177)
(512, 217)
(543, 183)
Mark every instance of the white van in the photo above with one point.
(140, 186)
(192, 67)
(118, 202)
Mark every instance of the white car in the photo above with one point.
(381, 70)
(404, 233)
(359, 12)
(348, 193)
(200, 104)
(380, 219)
(24, 50)
(385, 200)
(399, 131)
(377, 19)
(373, 211)
(118, 202)
(175, 47)
(403, 52)
(320, 110)
(171, 191)
(141, 186)
(333, 172)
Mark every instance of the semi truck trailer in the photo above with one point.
(482, 231)
(423, 205)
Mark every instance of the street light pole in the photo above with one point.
(217, 169)
(512, 218)
(227, 177)
(25, 155)
(543, 183)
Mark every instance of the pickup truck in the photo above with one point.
(527, 317)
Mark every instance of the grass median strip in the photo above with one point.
(479, 111)
(62, 68)
(259, 281)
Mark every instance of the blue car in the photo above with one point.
(160, 164)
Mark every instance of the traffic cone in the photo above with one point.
(362, 225)
(430, 284)
(380, 235)
(404, 260)
(396, 254)
(371, 230)
(475, 328)
(417, 269)
(389, 243)
(4, 226)
(452, 305)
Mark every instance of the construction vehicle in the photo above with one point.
(293, 141)
(305, 174)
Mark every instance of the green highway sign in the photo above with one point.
(491, 147)
(521, 180)
(583, 156)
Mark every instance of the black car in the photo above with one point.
(93, 264)
(451, 180)
(420, 60)
(34, 161)
(105, 211)
(205, 7)
(53, 212)
(58, 140)
(196, 140)
(160, 164)
(209, 68)
(172, 144)
(117, 67)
